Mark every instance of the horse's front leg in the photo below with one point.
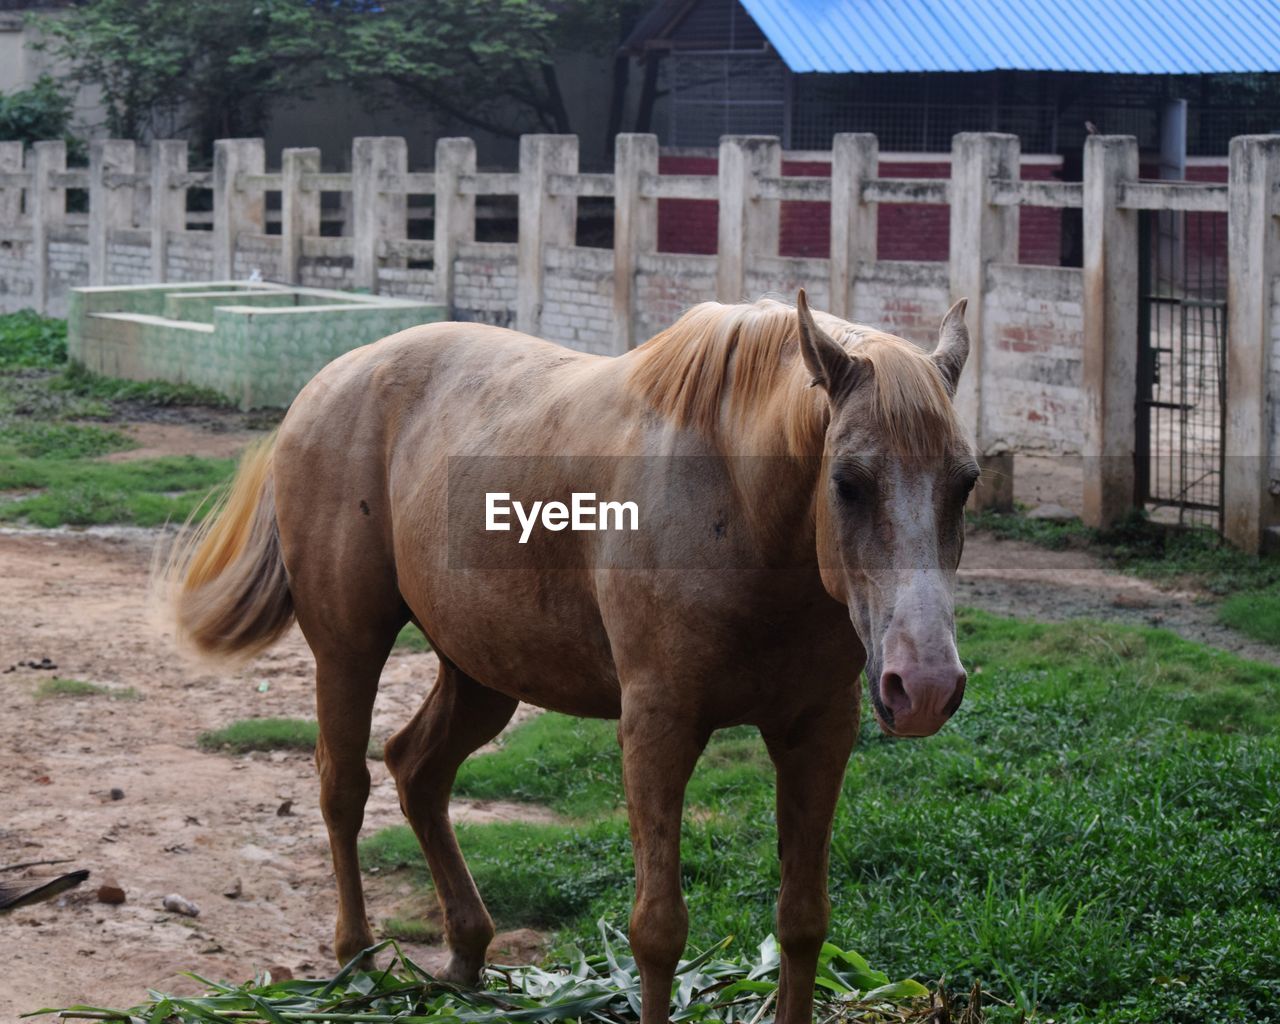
(660, 746)
(810, 754)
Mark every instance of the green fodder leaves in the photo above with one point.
(603, 987)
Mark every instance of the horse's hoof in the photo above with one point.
(464, 974)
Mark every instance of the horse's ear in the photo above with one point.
(953, 346)
(832, 367)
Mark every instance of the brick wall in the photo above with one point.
(577, 304)
(128, 264)
(407, 282)
(325, 272)
(783, 276)
(189, 256)
(666, 285)
(257, 252)
(68, 268)
(485, 283)
(16, 281)
(1033, 375)
(904, 231)
(906, 299)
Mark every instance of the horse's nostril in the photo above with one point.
(894, 694)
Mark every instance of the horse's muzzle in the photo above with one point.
(913, 700)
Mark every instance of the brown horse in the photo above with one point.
(800, 487)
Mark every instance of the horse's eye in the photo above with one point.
(847, 488)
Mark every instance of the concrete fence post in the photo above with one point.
(748, 225)
(379, 203)
(1110, 329)
(981, 234)
(455, 221)
(110, 202)
(168, 200)
(47, 206)
(1253, 258)
(236, 210)
(299, 208)
(855, 160)
(544, 219)
(11, 154)
(635, 229)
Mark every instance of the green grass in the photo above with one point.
(411, 929)
(50, 473)
(262, 734)
(79, 382)
(28, 340)
(411, 638)
(1255, 613)
(268, 734)
(60, 687)
(1095, 832)
(82, 492)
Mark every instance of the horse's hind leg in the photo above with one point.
(458, 717)
(346, 685)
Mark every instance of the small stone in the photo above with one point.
(110, 892)
(117, 793)
(280, 973)
(233, 891)
(285, 810)
(180, 905)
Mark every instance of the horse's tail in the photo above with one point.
(229, 592)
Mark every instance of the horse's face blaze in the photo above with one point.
(890, 531)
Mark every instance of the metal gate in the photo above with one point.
(1182, 345)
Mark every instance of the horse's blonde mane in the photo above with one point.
(721, 367)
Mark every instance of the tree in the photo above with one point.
(211, 68)
(40, 112)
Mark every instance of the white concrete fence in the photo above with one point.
(1053, 365)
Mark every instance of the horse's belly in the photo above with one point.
(536, 638)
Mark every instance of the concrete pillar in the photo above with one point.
(168, 200)
(544, 219)
(47, 206)
(1253, 258)
(455, 221)
(981, 234)
(635, 229)
(235, 210)
(748, 225)
(1110, 329)
(855, 160)
(299, 208)
(11, 154)
(379, 203)
(110, 204)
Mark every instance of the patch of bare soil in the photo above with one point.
(198, 824)
(1010, 577)
(156, 440)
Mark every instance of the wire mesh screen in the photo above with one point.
(1182, 365)
(915, 112)
(714, 94)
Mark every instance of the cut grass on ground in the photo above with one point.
(1095, 832)
(60, 687)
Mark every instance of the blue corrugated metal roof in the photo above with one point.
(1140, 37)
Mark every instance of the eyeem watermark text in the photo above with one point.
(582, 513)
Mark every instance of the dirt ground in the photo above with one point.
(192, 823)
(205, 824)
